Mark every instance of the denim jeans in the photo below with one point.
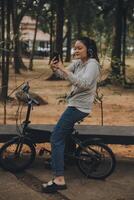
(63, 128)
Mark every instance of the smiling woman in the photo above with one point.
(80, 51)
(83, 75)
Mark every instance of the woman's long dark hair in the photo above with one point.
(91, 47)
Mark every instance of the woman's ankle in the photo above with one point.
(59, 180)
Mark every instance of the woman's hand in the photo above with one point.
(53, 64)
(58, 65)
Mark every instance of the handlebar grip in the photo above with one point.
(25, 87)
(35, 102)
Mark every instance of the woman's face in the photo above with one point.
(80, 51)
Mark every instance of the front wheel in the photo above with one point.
(95, 160)
(16, 155)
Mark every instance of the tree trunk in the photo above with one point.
(18, 62)
(124, 44)
(79, 29)
(33, 47)
(69, 34)
(8, 44)
(3, 82)
(0, 27)
(78, 19)
(59, 26)
(5, 47)
(51, 31)
(5, 13)
(116, 51)
(53, 77)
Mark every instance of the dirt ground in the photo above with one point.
(118, 106)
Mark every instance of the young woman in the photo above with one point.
(82, 74)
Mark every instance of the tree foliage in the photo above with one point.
(108, 22)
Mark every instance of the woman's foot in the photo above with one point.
(58, 183)
(60, 180)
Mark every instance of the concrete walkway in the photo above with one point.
(27, 186)
(119, 186)
(12, 189)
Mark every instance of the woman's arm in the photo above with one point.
(86, 80)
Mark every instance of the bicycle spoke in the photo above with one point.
(15, 156)
(96, 160)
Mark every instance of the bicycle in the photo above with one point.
(93, 158)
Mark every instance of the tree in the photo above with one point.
(120, 10)
(37, 9)
(51, 28)
(117, 40)
(58, 8)
(127, 16)
(6, 42)
(33, 45)
(69, 34)
(17, 14)
(3, 17)
(59, 26)
(68, 14)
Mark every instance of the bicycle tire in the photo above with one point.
(95, 160)
(14, 161)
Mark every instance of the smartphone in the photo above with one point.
(56, 56)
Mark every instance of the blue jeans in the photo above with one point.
(63, 128)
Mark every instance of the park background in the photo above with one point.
(30, 31)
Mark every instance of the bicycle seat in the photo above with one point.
(80, 121)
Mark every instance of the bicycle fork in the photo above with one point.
(19, 146)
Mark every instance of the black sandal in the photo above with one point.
(53, 187)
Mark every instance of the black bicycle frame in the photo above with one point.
(26, 121)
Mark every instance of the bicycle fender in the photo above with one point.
(26, 139)
(92, 140)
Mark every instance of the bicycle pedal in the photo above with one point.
(41, 152)
(47, 164)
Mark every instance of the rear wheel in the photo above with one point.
(17, 154)
(96, 160)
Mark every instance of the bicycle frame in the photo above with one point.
(31, 131)
(26, 122)
(84, 152)
(36, 135)
(78, 142)
(26, 129)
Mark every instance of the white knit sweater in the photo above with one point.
(83, 78)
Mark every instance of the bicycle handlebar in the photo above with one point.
(32, 100)
(25, 89)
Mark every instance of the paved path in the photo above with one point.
(27, 186)
(12, 189)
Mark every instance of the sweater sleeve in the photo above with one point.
(70, 68)
(89, 76)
